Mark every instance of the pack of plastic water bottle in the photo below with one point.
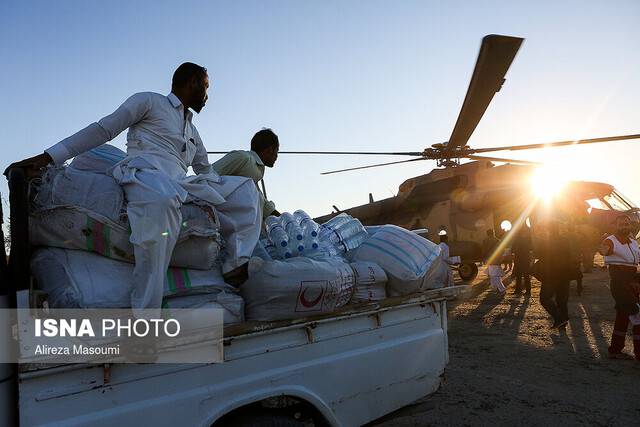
(294, 235)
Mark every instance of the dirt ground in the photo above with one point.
(507, 367)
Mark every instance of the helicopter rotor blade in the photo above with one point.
(498, 159)
(373, 166)
(362, 153)
(557, 144)
(495, 57)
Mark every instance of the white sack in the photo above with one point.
(297, 287)
(99, 160)
(68, 187)
(179, 308)
(410, 261)
(370, 282)
(75, 228)
(83, 279)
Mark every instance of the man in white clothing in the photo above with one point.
(490, 245)
(446, 274)
(161, 144)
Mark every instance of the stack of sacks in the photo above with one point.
(411, 262)
(85, 209)
(297, 287)
(370, 282)
(79, 279)
(81, 209)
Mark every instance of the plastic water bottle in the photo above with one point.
(283, 252)
(353, 241)
(297, 246)
(276, 233)
(308, 225)
(270, 248)
(328, 230)
(311, 242)
(324, 251)
(291, 226)
(337, 221)
(261, 252)
(350, 228)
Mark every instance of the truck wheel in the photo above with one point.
(264, 419)
(468, 271)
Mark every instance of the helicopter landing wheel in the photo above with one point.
(468, 271)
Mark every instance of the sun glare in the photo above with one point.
(546, 182)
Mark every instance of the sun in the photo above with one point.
(547, 182)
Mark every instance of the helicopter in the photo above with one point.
(464, 200)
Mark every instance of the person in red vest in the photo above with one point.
(622, 255)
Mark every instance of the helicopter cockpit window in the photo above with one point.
(625, 199)
(618, 202)
(596, 204)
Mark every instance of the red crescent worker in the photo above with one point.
(622, 255)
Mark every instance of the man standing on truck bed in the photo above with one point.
(264, 152)
(161, 144)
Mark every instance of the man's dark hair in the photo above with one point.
(185, 72)
(264, 139)
(490, 232)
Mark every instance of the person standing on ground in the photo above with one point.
(521, 249)
(162, 143)
(492, 260)
(575, 250)
(264, 152)
(622, 255)
(555, 263)
(446, 274)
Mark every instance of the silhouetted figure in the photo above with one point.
(490, 245)
(555, 263)
(521, 249)
(575, 250)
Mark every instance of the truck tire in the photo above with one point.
(468, 271)
(264, 419)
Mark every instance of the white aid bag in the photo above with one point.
(410, 261)
(295, 288)
(198, 244)
(67, 187)
(181, 308)
(84, 210)
(101, 159)
(370, 282)
(79, 279)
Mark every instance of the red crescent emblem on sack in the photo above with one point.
(310, 304)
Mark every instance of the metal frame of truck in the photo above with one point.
(345, 368)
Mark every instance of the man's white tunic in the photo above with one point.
(161, 145)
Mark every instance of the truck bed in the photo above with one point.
(354, 365)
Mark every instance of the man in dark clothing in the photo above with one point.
(521, 249)
(555, 264)
(575, 248)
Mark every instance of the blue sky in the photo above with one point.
(333, 75)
